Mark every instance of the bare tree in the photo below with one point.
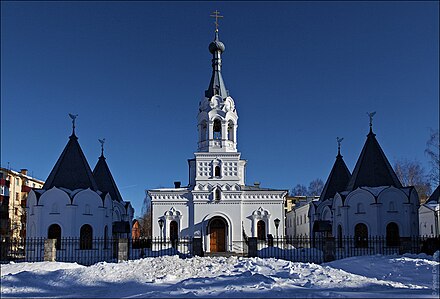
(315, 187)
(299, 190)
(145, 220)
(411, 173)
(433, 150)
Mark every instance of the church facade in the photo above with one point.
(371, 201)
(76, 202)
(217, 205)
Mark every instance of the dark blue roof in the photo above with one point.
(71, 171)
(104, 179)
(337, 180)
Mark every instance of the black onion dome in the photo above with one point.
(216, 46)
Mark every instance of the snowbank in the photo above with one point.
(170, 276)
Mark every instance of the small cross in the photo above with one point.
(102, 141)
(339, 140)
(370, 115)
(216, 15)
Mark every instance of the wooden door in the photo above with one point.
(217, 236)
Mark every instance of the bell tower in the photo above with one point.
(217, 158)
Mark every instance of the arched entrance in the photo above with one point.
(217, 234)
(361, 235)
(86, 237)
(174, 234)
(54, 232)
(261, 230)
(392, 237)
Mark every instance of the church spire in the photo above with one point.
(216, 48)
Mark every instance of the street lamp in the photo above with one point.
(160, 225)
(277, 224)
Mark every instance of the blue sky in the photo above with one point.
(301, 74)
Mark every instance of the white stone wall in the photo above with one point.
(428, 220)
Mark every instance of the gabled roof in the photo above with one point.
(71, 170)
(337, 180)
(372, 168)
(104, 179)
(434, 196)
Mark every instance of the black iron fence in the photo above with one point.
(318, 250)
(300, 249)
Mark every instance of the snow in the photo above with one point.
(170, 276)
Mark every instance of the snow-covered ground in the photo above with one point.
(169, 276)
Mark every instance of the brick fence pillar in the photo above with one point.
(123, 252)
(329, 249)
(252, 247)
(50, 251)
(197, 246)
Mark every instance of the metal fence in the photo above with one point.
(318, 250)
(298, 249)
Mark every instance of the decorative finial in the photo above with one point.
(216, 15)
(102, 141)
(339, 140)
(73, 117)
(370, 115)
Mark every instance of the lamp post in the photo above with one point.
(277, 224)
(161, 226)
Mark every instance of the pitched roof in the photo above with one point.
(337, 180)
(372, 168)
(435, 195)
(104, 179)
(71, 170)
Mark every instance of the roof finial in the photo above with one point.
(339, 140)
(371, 114)
(73, 117)
(216, 15)
(102, 141)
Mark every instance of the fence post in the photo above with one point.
(329, 249)
(122, 249)
(252, 247)
(50, 251)
(405, 245)
(197, 246)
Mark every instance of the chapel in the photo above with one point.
(217, 205)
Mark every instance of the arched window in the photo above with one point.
(54, 232)
(174, 233)
(231, 131)
(87, 210)
(361, 235)
(85, 237)
(391, 206)
(55, 209)
(203, 131)
(105, 237)
(217, 194)
(360, 208)
(217, 128)
(392, 237)
(261, 230)
(217, 172)
(340, 236)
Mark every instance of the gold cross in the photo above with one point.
(216, 15)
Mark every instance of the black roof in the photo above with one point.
(71, 170)
(337, 180)
(104, 179)
(435, 195)
(372, 168)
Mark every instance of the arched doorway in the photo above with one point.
(217, 235)
(340, 242)
(85, 237)
(174, 234)
(361, 235)
(261, 230)
(54, 232)
(392, 237)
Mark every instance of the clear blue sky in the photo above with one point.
(301, 74)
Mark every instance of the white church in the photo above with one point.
(217, 205)
(76, 202)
